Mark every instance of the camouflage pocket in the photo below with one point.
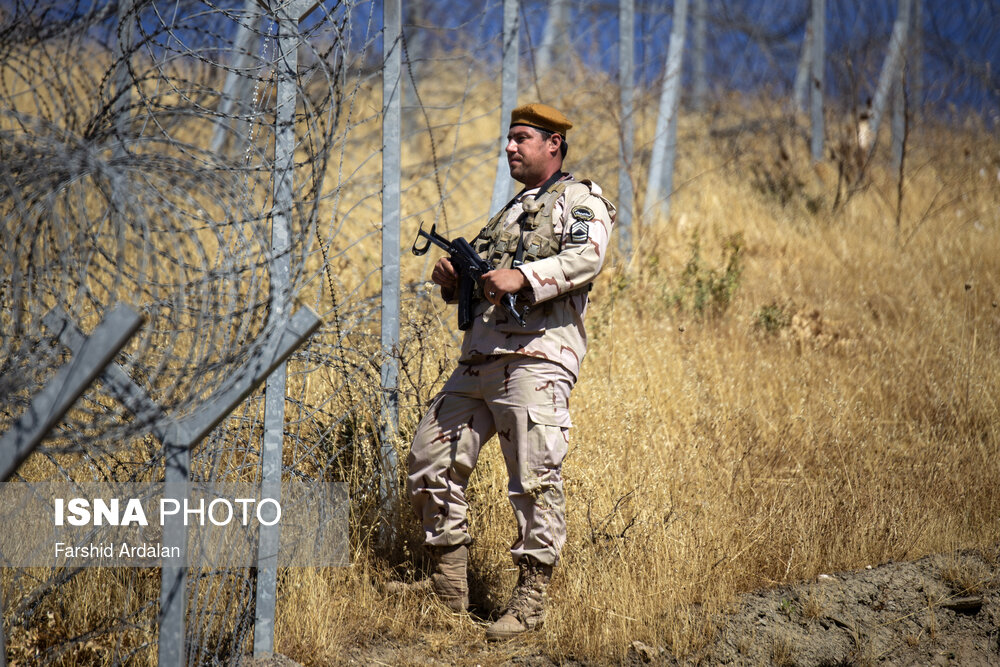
(548, 437)
(550, 415)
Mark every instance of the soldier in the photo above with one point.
(547, 244)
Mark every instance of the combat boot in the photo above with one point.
(526, 609)
(448, 581)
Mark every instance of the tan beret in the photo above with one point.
(541, 116)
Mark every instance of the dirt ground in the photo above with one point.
(940, 610)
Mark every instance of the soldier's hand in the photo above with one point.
(498, 282)
(444, 275)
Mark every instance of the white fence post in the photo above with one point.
(286, 63)
(392, 48)
(508, 99)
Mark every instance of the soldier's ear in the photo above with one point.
(557, 141)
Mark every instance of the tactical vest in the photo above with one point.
(499, 246)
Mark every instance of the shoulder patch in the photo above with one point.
(582, 213)
(579, 231)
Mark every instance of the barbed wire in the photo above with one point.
(136, 166)
(136, 148)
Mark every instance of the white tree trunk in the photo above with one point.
(890, 67)
(554, 44)
(915, 62)
(661, 164)
(700, 46)
(804, 69)
(817, 67)
(626, 78)
(239, 81)
(416, 49)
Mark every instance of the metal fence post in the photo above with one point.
(173, 573)
(122, 91)
(676, 67)
(51, 403)
(555, 44)
(286, 65)
(181, 436)
(508, 99)
(391, 174)
(626, 81)
(178, 437)
(288, 16)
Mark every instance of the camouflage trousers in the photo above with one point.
(526, 402)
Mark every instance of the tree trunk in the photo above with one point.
(661, 165)
(239, 84)
(700, 86)
(817, 71)
(890, 68)
(915, 62)
(626, 78)
(804, 69)
(552, 50)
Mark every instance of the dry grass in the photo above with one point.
(717, 453)
(840, 410)
(968, 577)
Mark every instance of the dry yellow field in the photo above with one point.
(775, 389)
(783, 381)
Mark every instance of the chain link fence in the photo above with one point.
(139, 164)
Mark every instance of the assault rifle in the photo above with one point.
(470, 268)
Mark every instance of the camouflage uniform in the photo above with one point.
(516, 381)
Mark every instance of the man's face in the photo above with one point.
(531, 157)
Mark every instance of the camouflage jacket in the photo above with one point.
(557, 294)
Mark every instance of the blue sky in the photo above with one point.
(754, 45)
